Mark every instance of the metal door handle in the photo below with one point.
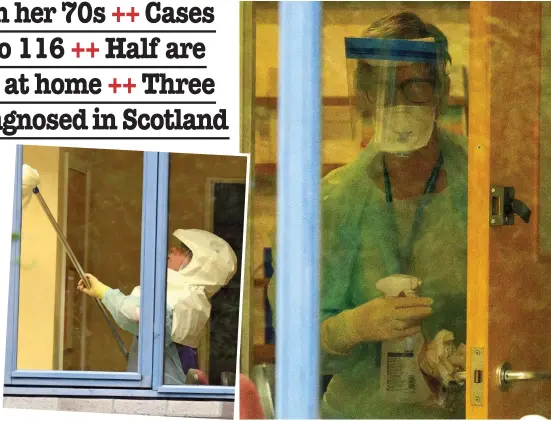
(505, 375)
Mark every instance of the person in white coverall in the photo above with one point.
(196, 269)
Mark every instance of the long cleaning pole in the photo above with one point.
(80, 272)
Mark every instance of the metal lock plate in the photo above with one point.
(477, 376)
(504, 206)
(500, 199)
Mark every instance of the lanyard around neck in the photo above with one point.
(405, 256)
(429, 186)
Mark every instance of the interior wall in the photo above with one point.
(188, 178)
(38, 289)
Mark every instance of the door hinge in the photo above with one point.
(504, 206)
(477, 376)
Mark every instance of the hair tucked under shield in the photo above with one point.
(407, 25)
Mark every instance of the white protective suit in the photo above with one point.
(189, 290)
(188, 306)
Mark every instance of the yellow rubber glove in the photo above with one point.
(377, 320)
(96, 290)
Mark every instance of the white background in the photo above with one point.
(222, 59)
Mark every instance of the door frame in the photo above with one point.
(478, 228)
(71, 162)
(247, 145)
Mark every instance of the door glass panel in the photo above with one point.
(394, 214)
(365, 238)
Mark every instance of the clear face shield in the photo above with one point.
(396, 89)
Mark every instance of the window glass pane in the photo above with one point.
(95, 197)
(205, 226)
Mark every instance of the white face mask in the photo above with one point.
(403, 128)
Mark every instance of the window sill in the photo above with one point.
(165, 393)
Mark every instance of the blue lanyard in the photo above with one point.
(405, 256)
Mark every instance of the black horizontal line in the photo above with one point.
(118, 138)
(106, 31)
(103, 67)
(109, 102)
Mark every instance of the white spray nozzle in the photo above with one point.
(394, 285)
(30, 180)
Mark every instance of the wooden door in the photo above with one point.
(509, 267)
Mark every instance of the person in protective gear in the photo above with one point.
(197, 268)
(399, 208)
(405, 212)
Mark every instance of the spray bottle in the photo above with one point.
(401, 378)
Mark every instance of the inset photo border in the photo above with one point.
(126, 279)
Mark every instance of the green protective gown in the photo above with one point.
(362, 237)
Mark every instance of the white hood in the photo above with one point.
(214, 262)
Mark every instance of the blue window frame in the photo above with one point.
(147, 382)
(160, 294)
(298, 210)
